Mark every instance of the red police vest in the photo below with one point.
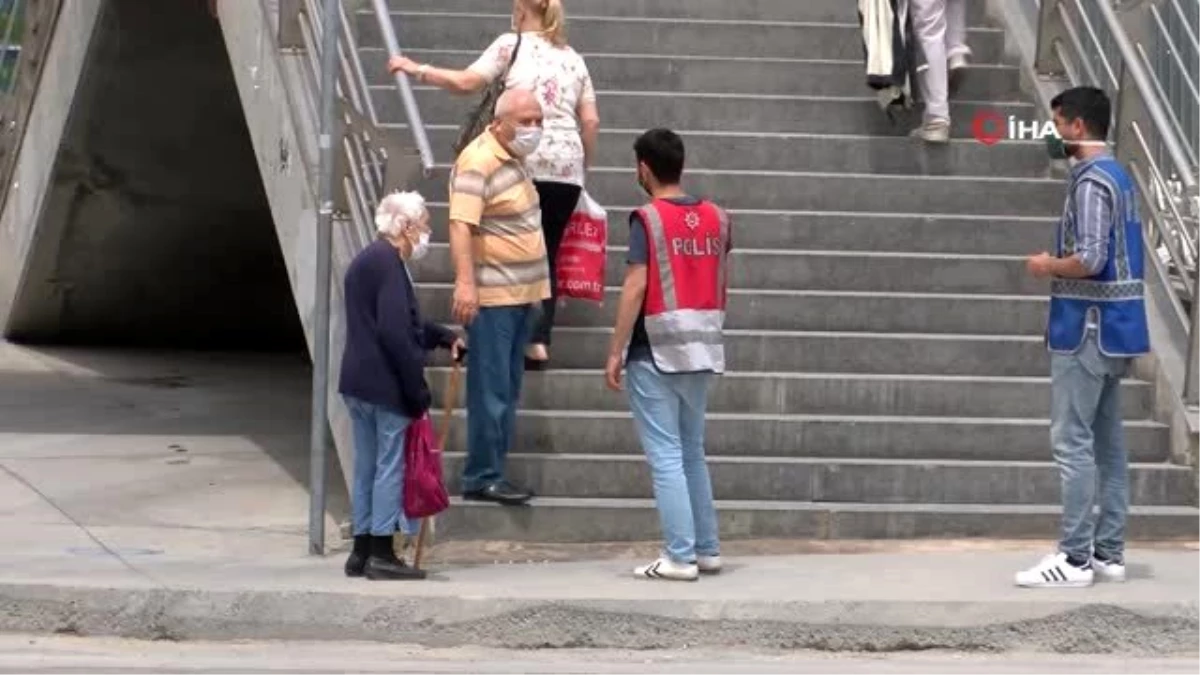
(687, 249)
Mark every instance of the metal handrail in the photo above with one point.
(1149, 132)
(368, 152)
(420, 137)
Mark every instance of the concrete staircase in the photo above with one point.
(889, 378)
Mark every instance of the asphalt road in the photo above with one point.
(38, 654)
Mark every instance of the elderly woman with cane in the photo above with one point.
(383, 380)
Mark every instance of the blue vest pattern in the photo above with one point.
(1115, 296)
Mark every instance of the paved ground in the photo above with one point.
(33, 654)
(162, 496)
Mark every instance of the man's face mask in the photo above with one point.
(1066, 143)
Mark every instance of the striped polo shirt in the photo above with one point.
(491, 192)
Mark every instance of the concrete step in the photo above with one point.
(827, 394)
(713, 10)
(638, 35)
(885, 232)
(657, 72)
(879, 353)
(820, 152)
(829, 480)
(780, 111)
(830, 271)
(803, 191)
(822, 311)
(596, 432)
(589, 520)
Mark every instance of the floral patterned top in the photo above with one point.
(561, 81)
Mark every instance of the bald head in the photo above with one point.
(516, 104)
(518, 121)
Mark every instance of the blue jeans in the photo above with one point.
(1089, 446)
(376, 501)
(495, 369)
(668, 411)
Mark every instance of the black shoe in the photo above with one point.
(500, 493)
(383, 563)
(357, 561)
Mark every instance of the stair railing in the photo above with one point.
(1139, 51)
(373, 157)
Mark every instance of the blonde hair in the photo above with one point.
(398, 211)
(554, 19)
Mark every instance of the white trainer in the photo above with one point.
(665, 568)
(933, 131)
(1109, 570)
(1055, 572)
(709, 564)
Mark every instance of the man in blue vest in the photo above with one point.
(1097, 326)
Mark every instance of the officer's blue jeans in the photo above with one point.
(1089, 445)
(668, 412)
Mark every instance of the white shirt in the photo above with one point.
(559, 77)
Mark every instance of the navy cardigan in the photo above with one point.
(386, 339)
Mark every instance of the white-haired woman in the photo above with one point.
(546, 65)
(383, 380)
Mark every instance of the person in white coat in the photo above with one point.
(941, 31)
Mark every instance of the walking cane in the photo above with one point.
(447, 424)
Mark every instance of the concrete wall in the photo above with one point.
(278, 104)
(156, 229)
(26, 197)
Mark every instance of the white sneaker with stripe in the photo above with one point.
(1109, 571)
(665, 568)
(709, 564)
(1055, 572)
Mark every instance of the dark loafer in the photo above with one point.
(499, 493)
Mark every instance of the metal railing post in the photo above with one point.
(290, 35)
(319, 427)
(1050, 32)
(1130, 107)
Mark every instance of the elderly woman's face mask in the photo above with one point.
(420, 247)
(416, 238)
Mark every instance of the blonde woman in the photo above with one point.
(546, 65)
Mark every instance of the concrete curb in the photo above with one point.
(176, 614)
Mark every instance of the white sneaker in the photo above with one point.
(1109, 571)
(1055, 572)
(665, 568)
(709, 564)
(933, 131)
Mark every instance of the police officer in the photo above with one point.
(1097, 325)
(668, 340)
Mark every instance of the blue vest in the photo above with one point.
(1115, 296)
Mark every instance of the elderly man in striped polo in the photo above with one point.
(501, 274)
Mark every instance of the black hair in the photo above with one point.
(1088, 104)
(662, 151)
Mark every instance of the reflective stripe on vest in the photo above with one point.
(684, 339)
